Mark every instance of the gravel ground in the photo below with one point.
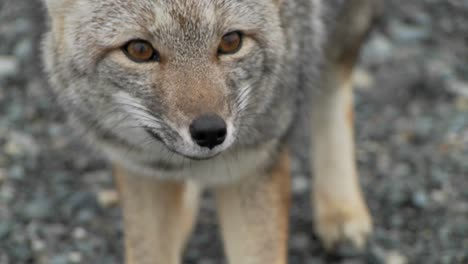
(57, 203)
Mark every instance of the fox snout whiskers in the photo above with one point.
(205, 137)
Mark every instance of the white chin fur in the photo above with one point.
(227, 167)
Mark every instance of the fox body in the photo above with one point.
(155, 119)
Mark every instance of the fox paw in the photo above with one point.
(348, 226)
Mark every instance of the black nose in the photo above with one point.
(208, 130)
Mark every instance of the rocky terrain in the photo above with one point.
(58, 205)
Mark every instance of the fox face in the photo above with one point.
(190, 79)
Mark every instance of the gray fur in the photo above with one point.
(87, 70)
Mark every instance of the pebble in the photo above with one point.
(378, 50)
(38, 209)
(23, 26)
(363, 79)
(59, 259)
(108, 198)
(38, 245)
(420, 200)
(458, 87)
(395, 258)
(439, 196)
(24, 49)
(300, 184)
(17, 172)
(9, 66)
(406, 34)
(75, 257)
(7, 193)
(85, 216)
(20, 143)
(461, 103)
(5, 228)
(12, 149)
(439, 177)
(79, 233)
(461, 207)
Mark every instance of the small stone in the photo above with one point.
(458, 87)
(12, 149)
(5, 228)
(363, 80)
(406, 33)
(85, 216)
(9, 66)
(439, 177)
(439, 196)
(79, 233)
(7, 193)
(38, 245)
(24, 49)
(22, 144)
(378, 50)
(446, 259)
(75, 257)
(59, 259)
(419, 200)
(38, 209)
(461, 103)
(108, 198)
(460, 207)
(300, 184)
(395, 258)
(17, 173)
(23, 25)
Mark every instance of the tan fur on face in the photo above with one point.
(194, 91)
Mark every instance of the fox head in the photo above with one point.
(197, 77)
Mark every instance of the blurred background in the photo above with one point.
(58, 204)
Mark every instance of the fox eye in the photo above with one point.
(141, 51)
(230, 43)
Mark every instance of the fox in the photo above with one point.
(183, 96)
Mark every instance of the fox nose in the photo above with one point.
(208, 130)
